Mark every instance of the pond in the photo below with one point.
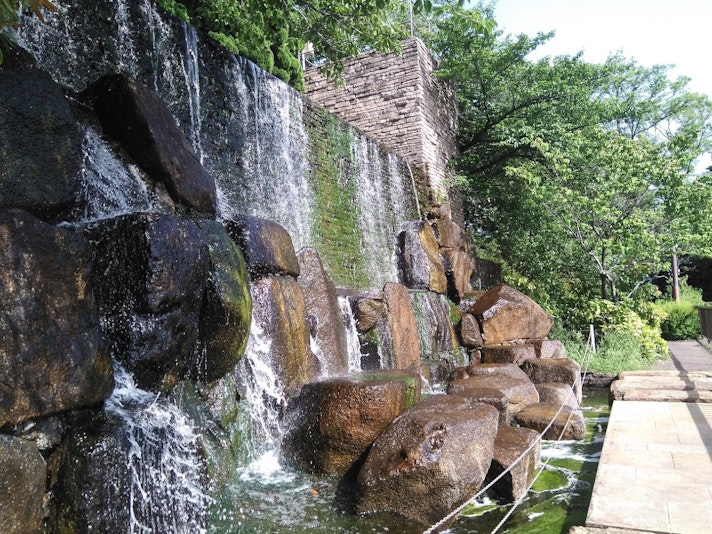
(274, 499)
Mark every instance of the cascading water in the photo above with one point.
(166, 470)
(352, 342)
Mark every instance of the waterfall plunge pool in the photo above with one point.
(269, 497)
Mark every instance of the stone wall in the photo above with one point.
(395, 99)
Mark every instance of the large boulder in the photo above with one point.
(399, 329)
(141, 122)
(557, 393)
(334, 422)
(493, 397)
(280, 313)
(459, 267)
(52, 354)
(322, 306)
(507, 315)
(470, 333)
(517, 451)
(367, 310)
(227, 307)
(432, 458)
(436, 334)
(555, 421)
(520, 392)
(516, 353)
(40, 141)
(22, 486)
(266, 245)
(420, 262)
(561, 370)
(151, 273)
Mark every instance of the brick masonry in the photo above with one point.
(395, 99)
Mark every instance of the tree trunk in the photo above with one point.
(675, 280)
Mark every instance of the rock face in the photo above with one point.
(227, 307)
(52, 354)
(40, 141)
(266, 245)
(507, 315)
(510, 444)
(336, 421)
(151, 271)
(141, 122)
(399, 329)
(421, 265)
(281, 314)
(322, 306)
(432, 458)
(470, 333)
(22, 486)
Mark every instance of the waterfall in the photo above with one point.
(110, 187)
(352, 342)
(192, 82)
(163, 460)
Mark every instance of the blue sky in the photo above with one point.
(677, 32)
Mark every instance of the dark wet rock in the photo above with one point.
(334, 422)
(52, 354)
(511, 353)
(447, 232)
(22, 486)
(151, 272)
(40, 141)
(137, 118)
(557, 393)
(459, 267)
(511, 443)
(568, 423)
(322, 305)
(561, 370)
(266, 246)
(367, 311)
(226, 312)
(46, 433)
(420, 261)
(432, 458)
(508, 315)
(470, 334)
(280, 312)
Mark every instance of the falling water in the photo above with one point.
(352, 342)
(163, 460)
(192, 82)
(110, 187)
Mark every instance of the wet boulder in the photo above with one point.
(280, 313)
(447, 232)
(557, 393)
(491, 396)
(137, 118)
(507, 315)
(561, 370)
(40, 141)
(398, 329)
(511, 443)
(470, 333)
(322, 307)
(23, 474)
(266, 246)
(459, 267)
(419, 259)
(549, 348)
(52, 354)
(368, 309)
(430, 459)
(436, 335)
(516, 353)
(557, 422)
(151, 272)
(334, 422)
(520, 392)
(227, 306)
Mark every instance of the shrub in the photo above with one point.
(683, 321)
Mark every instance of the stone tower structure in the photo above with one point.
(394, 99)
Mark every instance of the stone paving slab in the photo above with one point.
(655, 471)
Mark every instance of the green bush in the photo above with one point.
(682, 322)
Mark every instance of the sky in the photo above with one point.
(677, 32)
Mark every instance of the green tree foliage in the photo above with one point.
(579, 177)
(272, 33)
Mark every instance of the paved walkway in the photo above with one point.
(655, 472)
